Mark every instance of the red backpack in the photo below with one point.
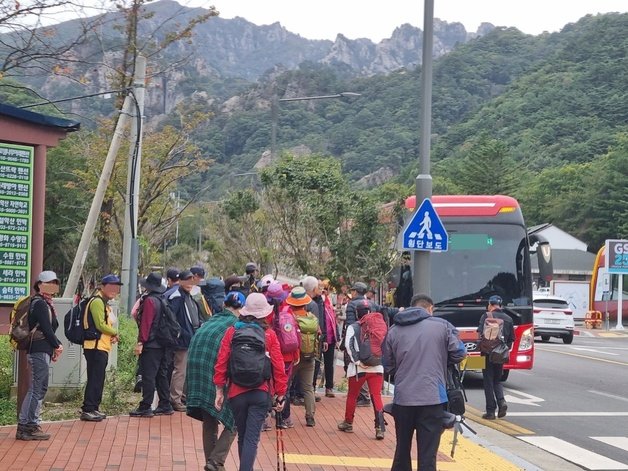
(287, 330)
(370, 332)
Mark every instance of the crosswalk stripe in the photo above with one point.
(619, 442)
(575, 454)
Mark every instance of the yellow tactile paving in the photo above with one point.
(469, 456)
(501, 425)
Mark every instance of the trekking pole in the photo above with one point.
(277, 437)
(280, 443)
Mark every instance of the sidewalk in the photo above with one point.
(175, 443)
(612, 332)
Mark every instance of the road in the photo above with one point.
(574, 403)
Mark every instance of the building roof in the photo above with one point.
(38, 118)
(568, 262)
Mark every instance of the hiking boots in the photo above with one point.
(163, 411)
(100, 414)
(142, 413)
(345, 426)
(298, 401)
(92, 416)
(366, 402)
(30, 432)
(489, 416)
(329, 393)
(266, 427)
(286, 423)
(502, 409)
(309, 421)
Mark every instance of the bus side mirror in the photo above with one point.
(544, 256)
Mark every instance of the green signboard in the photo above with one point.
(16, 217)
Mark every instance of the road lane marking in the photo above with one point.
(603, 360)
(575, 454)
(619, 442)
(568, 414)
(594, 351)
(522, 398)
(612, 396)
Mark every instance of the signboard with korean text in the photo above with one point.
(16, 214)
(617, 256)
(425, 231)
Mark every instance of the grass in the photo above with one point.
(118, 396)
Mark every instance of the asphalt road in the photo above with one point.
(573, 403)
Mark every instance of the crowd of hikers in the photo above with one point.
(237, 353)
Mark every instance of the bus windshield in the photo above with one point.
(482, 260)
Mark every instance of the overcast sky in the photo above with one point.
(376, 19)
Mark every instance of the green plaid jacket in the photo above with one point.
(202, 354)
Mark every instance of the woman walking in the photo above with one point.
(250, 352)
(44, 347)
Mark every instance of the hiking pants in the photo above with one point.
(216, 447)
(329, 363)
(249, 411)
(30, 411)
(154, 368)
(375, 382)
(96, 368)
(304, 371)
(177, 382)
(427, 422)
(493, 389)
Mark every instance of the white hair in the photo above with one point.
(309, 283)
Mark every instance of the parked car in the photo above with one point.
(552, 318)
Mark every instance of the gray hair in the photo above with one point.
(309, 283)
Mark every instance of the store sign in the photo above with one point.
(617, 251)
(16, 218)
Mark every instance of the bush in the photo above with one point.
(7, 406)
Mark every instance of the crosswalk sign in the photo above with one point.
(425, 231)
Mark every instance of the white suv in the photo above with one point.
(552, 318)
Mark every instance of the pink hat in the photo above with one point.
(276, 291)
(256, 306)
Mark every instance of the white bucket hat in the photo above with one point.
(256, 306)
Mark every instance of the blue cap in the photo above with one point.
(495, 300)
(110, 280)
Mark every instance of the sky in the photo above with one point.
(376, 19)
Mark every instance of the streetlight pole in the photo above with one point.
(422, 263)
(275, 112)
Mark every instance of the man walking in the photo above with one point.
(153, 356)
(417, 349)
(100, 334)
(187, 311)
(492, 373)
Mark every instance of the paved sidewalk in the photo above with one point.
(175, 443)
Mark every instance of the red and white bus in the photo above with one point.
(488, 254)
(602, 282)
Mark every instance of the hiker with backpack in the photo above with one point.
(201, 391)
(152, 349)
(100, 335)
(363, 344)
(417, 350)
(188, 314)
(251, 365)
(496, 331)
(42, 346)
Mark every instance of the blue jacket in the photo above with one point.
(417, 349)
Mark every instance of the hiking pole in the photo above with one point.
(280, 443)
(458, 428)
(277, 437)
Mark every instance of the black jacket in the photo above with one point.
(40, 314)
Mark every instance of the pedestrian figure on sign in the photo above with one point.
(426, 225)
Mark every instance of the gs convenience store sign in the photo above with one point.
(16, 208)
(617, 251)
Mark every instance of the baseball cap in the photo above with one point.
(186, 275)
(47, 276)
(495, 300)
(198, 271)
(250, 268)
(172, 274)
(110, 279)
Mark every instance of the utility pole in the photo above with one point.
(130, 248)
(94, 211)
(422, 262)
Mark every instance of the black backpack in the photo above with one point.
(456, 396)
(249, 366)
(73, 326)
(165, 328)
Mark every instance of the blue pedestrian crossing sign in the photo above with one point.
(425, 231)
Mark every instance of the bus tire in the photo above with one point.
(505, 374)
(545, 338)
(568, 338)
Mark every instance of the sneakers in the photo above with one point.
(266, 427)
(379, 433)
(286, 423)
(502, 409)
(142, 413)
(92, 416)
(363, 403)
(179, 407)
(30, 432)
(317, 398)
(298, 401)
(100, 414)
(489, 416)
(345, 426)
(309, 421)
(329, 393)
(211, 465)
(163, 411)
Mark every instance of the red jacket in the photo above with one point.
(280, 380)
